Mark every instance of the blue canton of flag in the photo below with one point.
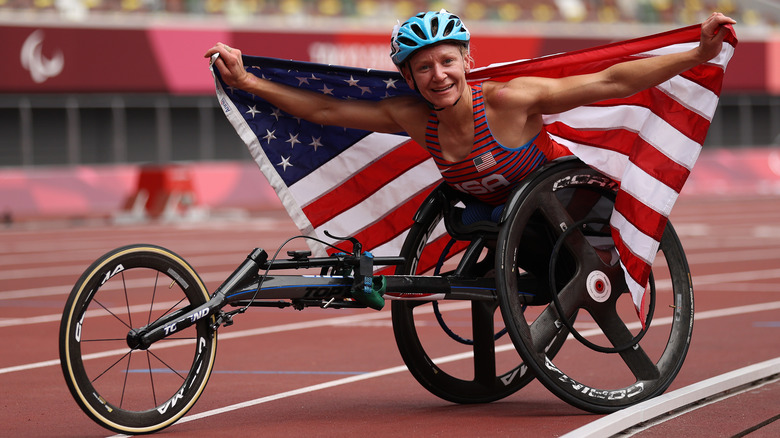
(297, 147)
(345, 181)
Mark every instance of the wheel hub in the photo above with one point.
(598, 286)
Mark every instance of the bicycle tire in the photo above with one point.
(107, 379)
(593, 381)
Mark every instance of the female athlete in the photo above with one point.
(495, 125)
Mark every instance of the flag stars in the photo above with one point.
(293, 139)
(285, 163)
(252, 110)
(315, 142)
(305, 80)
(269, 135)
(276, 113)
(352, 81)
(326, 90)
(390, 82)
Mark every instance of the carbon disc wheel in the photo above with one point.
(591, 292)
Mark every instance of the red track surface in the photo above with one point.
(733, 247)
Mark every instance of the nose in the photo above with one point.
(438, 72)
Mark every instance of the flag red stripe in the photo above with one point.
(365, 183)
(644, 218)
(642, 154)
(709, 76)
(432, 252)
(689, 123)
(393, 223)
(636, 267)
(659, 166)
(564, 61)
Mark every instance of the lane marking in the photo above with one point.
(456, 357)
(648, 410)
(342, 320)
(353, 319)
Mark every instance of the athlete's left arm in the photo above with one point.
(549, 96)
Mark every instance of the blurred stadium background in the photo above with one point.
(123, 83)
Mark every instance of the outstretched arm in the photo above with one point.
(382, 116)
(549, 96)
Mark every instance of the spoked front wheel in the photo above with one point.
(615, 363)
(131, 390)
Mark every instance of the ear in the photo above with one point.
(468, 61)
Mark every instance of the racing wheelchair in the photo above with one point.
(546, 276)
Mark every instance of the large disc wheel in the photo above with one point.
(130, 390)
(612, 362)
(475, 364)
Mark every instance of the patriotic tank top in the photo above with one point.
(490, 171)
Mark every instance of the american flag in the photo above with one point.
(484, 161)
(368, 185)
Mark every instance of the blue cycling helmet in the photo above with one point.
(425, 29)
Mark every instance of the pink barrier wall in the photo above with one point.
(108, 190)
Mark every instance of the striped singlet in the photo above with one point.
(490, 171)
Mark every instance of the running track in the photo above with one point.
(264, 384)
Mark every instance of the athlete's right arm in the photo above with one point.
(388, 115)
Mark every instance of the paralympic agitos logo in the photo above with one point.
(33, 60)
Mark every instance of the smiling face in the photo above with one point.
(439, 72)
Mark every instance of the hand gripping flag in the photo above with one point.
(368, 185)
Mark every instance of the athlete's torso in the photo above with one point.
(490, 171)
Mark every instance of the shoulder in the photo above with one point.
(408, 112)
(405, 108)
(518, 91)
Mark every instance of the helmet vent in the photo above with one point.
(417, 31)
(407, 41)
(448, 28)
(434, 25)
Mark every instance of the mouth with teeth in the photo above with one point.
(441, 90)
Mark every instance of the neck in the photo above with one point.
(460, 110)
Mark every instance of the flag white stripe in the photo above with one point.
(641, 245)
(653, 129)
(393, 247)
(674, 48)
(374, 207)
(608, 162)
(636, 289)
(691, 95)
(648, 190)
(721, 60)
(344, 166)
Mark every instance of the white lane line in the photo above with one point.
(614, 424)
(341, 320)
(698, 280)
(356, 319)
(445, 359)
